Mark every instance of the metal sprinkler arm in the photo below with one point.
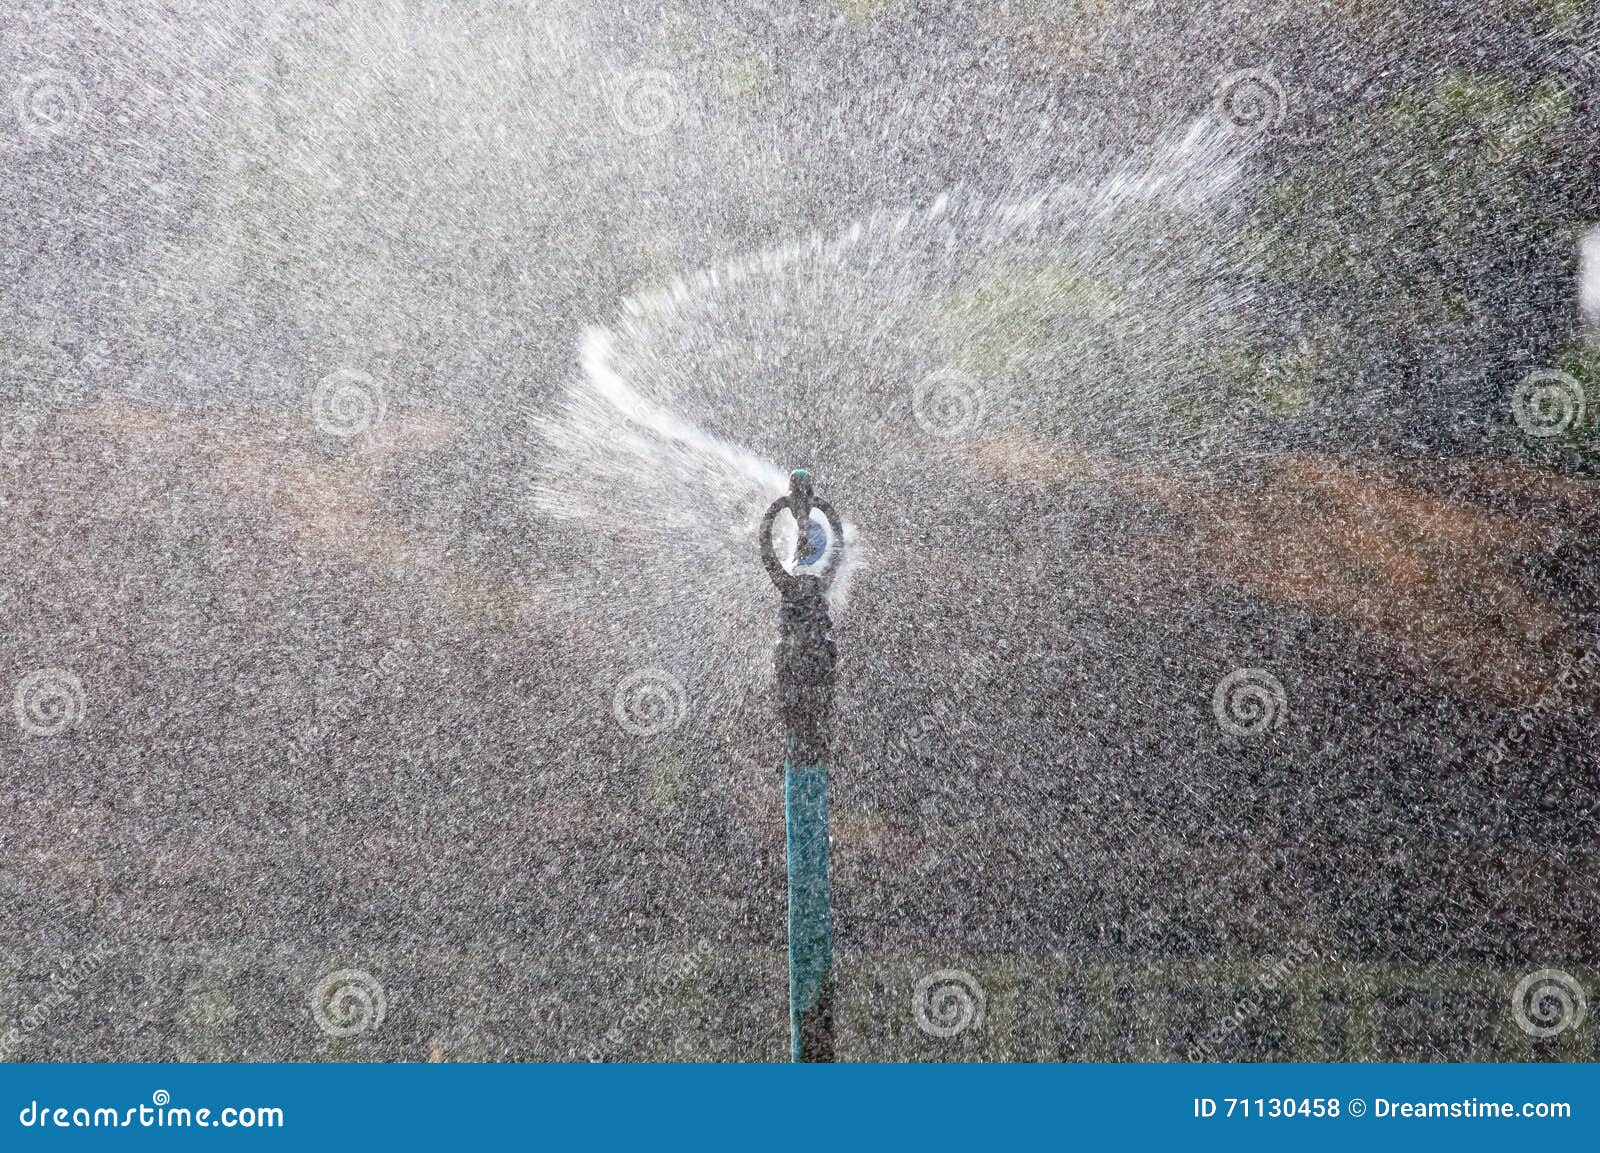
(769, 557)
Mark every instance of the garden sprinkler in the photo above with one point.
(804, 674)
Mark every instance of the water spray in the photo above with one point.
(804, 676)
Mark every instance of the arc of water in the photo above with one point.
(617, 392)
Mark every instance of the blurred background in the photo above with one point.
(1219, 680)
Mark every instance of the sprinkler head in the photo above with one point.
(819, 535)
